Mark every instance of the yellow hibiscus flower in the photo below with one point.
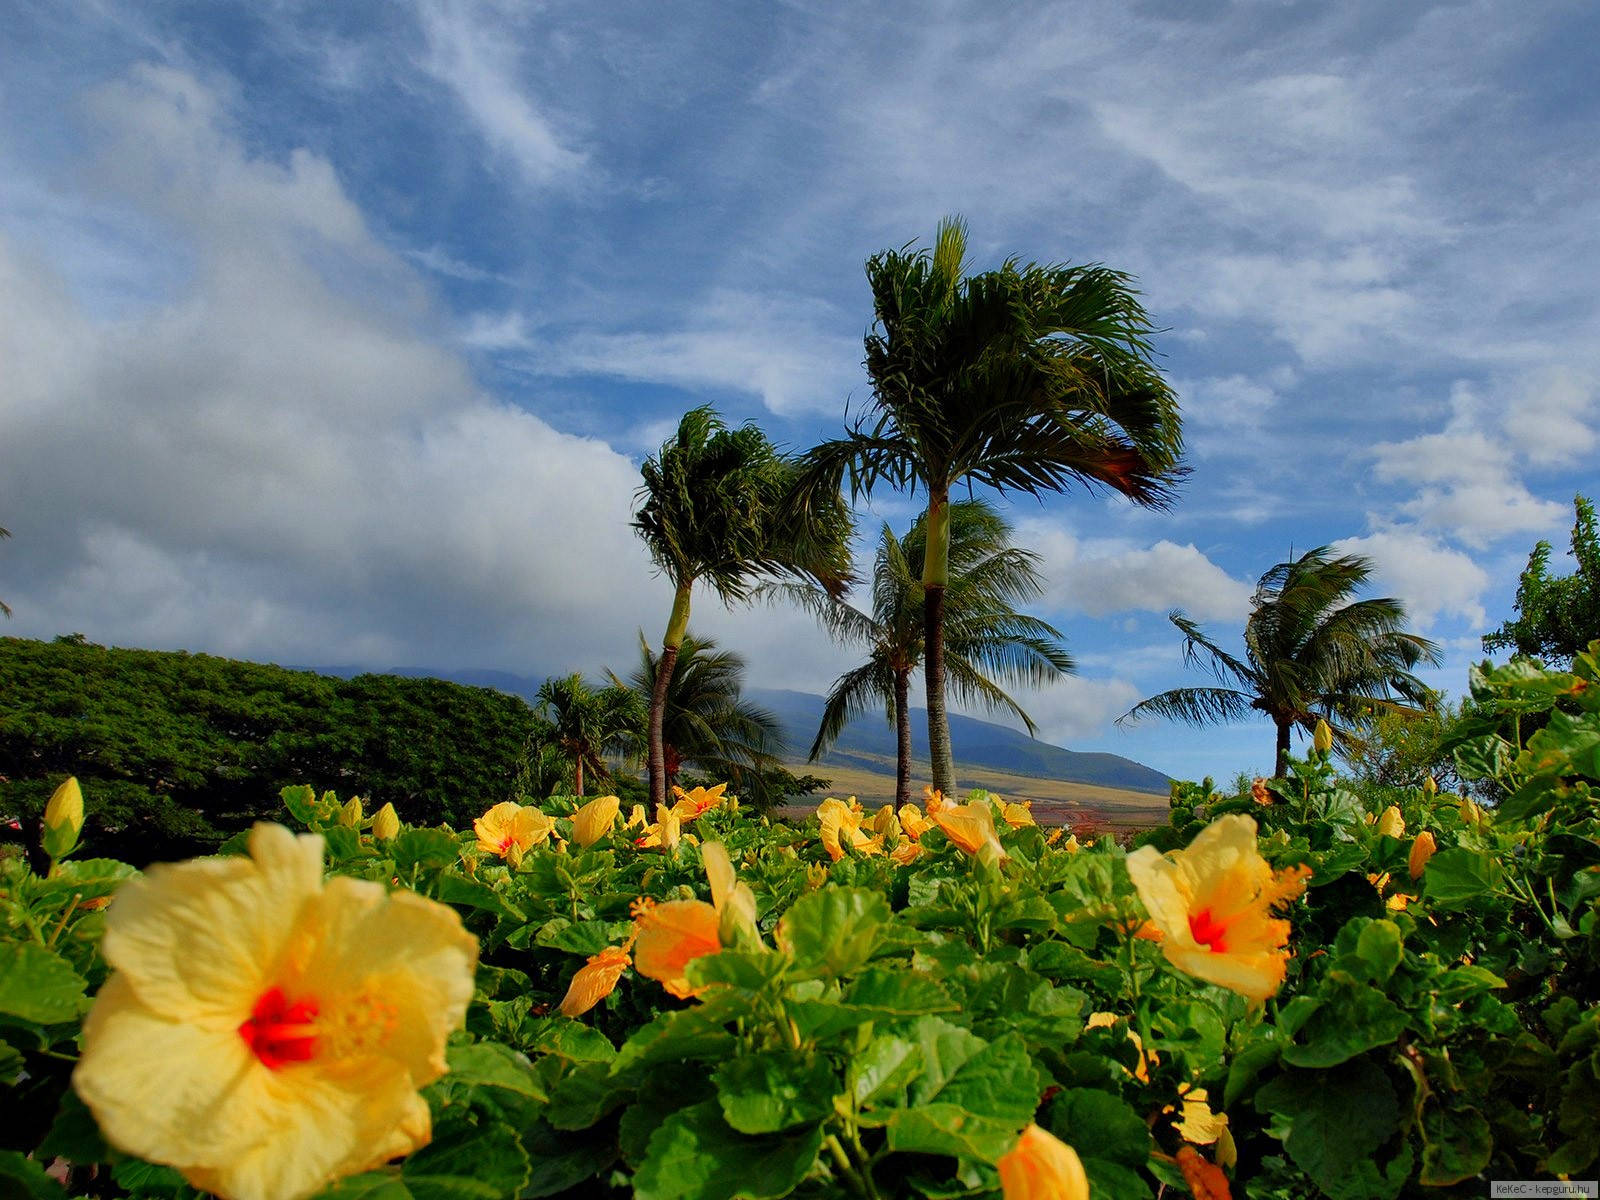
(1042, 1167)
(912, 823)
(1018, 815)
(1213, 904)
(596, 980)
(970, 826)
(841, 827)
(510, 830)
(266, 1034)
(693, 803)
(595, 819)
(668, 937)
(1421, 851)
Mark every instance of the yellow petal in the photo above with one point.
(1042, 1167)
(595, 981)
(970, 826)
(1421, 851)
(595, 819)
(672, 935)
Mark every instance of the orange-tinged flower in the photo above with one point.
(693, 803)
(510, 830)
(1205, 1179)
(1391, 823)
(1213, 903)
(266, 1034)
(841, 827)
(932, 799)
(912, 823)
(595, 819)
(668, 937)
(1421, 851)
(970, 826)
(1259, 792)
(596, 980)
(1042, 1167)
(1018, 815)
(905, 853)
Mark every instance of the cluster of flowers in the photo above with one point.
(265, 1031)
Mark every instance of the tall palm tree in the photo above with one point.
(585, 723)
(1310, 652)
(986, 639)
(1026, 378)
(719, 505)
(706, 719)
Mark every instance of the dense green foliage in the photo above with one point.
(1557, 615)
(886, 1030)
(1311, 652)
(181, 750)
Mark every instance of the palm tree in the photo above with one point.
(1027, 378)
(986, 639)
(718, 505)
(4, 533)
(706, 719)
(1310, 652)
(584, 723)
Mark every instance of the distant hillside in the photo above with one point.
(978, 744)
(867, 742)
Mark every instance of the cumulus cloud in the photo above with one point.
(1432, 579)
(1104, 576)
(1074, 708)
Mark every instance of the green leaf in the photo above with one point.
(1334, 1119)
(585, 1094)
(88, 879)
(1458, 877)
(424, 848)
(301, 801)
(22, 1178)
(38, 985)
(833, 931)
(887, 1065)
(1456, 1144)
(775, 1090)
(468, 1161)
(569, 1039)
(1100, 1124)
(584, 937)
(1381, 947)
(1351, 1019)
(687, 1033)
(373, 1185)
(694, 1155)
(74, 1135)
(489, 1064)
(453, 888)
(877, 994)
(561, 1160)
(949, 1129)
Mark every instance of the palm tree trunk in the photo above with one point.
(677, 626)
(577, 778)
(902, 724)
(935, 578)
(1281, 767)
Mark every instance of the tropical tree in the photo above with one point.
(720, 505)
(4, 533)
(987, 642)
(706, 720)
(1557, 615)
(1026, 378)
(1309, 652)
(584, 723)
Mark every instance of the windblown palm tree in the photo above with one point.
(585, 723)
(719, 505)
(1310, 652)
(986, 639)
(1027, 378)
(706, 720)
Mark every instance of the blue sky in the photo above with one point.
(336, 333)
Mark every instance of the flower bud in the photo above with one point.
(1391, 823)
(386, 824)
(1421, 851)
(63, 819)
(1322, 738)
(1430, 787)
(350, 813)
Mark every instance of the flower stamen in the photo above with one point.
(279, 1032)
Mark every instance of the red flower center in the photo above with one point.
(279, 1032)
(1209, 931)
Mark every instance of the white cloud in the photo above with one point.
(472, 51)
(1432, 579)
(1103, 576)
(1072, 709)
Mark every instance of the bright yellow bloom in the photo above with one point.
(885, 823)
(1197, 1123)
(1421, 851)
(1213, 903)
(906, 853)
(665, 833)
(1018, 815)
(841, 827)
(1322, 738)
(1042, 1167)
(912, 823)
(636, 818)
(932, 799)
(595, 819)
(266, 1034)
(1391, 823)
(386, 823)
(595, 981)
(350, 813)
(693, 803)
(970, 826)
(63, 819)
(510, 830)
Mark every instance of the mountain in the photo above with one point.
(978, 744)
(869, 740)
